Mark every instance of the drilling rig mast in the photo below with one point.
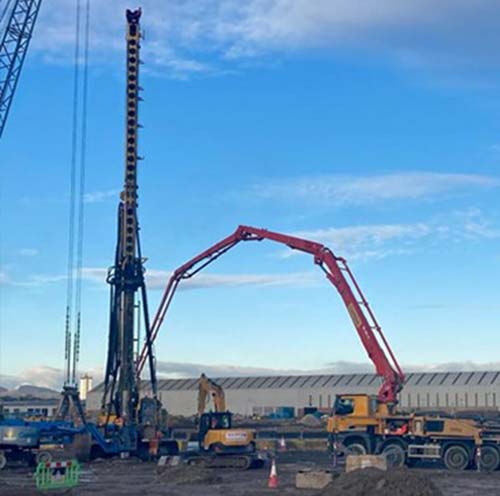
(126, 278)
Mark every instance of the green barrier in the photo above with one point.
(57, 475)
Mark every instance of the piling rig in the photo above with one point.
(135, 421)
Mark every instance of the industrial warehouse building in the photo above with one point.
(265, 395)
(29, 407)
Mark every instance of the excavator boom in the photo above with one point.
(336, 271)
(207, 387)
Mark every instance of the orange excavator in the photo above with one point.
(216, 433)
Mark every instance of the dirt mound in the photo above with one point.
(375, 482)
(310, 420)
(190, 475)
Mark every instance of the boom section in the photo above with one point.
(336, 271)
(207, 387)
(14, 43)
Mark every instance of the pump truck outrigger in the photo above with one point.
(362, 423)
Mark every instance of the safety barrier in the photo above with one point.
(57, 475)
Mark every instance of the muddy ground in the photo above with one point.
(133, 477)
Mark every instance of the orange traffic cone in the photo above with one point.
(273, 476)
(282, 444)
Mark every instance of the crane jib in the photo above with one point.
(14, 43)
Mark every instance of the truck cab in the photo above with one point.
(356, 411)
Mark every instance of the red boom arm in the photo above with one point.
(337, 272)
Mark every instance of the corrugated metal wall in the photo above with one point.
(262, 395)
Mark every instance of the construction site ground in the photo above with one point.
(133, 477)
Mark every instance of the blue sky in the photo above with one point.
(374, 130)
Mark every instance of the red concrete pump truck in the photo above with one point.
(361, 423)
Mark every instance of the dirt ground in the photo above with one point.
(133, 477)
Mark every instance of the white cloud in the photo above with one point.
(382, 240)
(38, 280)
(476, 225)
(359, 239)
(181, 33)
(42, 376)
(100, 196)
(338, 190)
(157, 279)
(361, 242)
(52, 377)
(187, 370)
(28, 252)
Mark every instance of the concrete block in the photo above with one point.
(313, 479)
(357, 462)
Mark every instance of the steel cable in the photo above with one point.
(81, 196)
(72, 199)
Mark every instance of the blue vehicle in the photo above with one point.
(29, 441)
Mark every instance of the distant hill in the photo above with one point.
(27, 391)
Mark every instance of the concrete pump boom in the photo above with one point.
(336, 271)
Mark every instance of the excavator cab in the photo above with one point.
(214, 421)
(216, 434)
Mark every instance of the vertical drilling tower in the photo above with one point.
(126, 278)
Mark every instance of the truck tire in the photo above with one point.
(43, 457)
(456, 458)
(490, 459)
(3, 460)
(395, 455)
(356, 448)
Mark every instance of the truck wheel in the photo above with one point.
(43, 457)
(395, 455)
(3, 460)
(490, 459)
(456, 458)
(356, 449)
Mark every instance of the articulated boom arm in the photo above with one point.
(208, 387)
(337, 272)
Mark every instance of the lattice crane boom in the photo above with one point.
(14, 45)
